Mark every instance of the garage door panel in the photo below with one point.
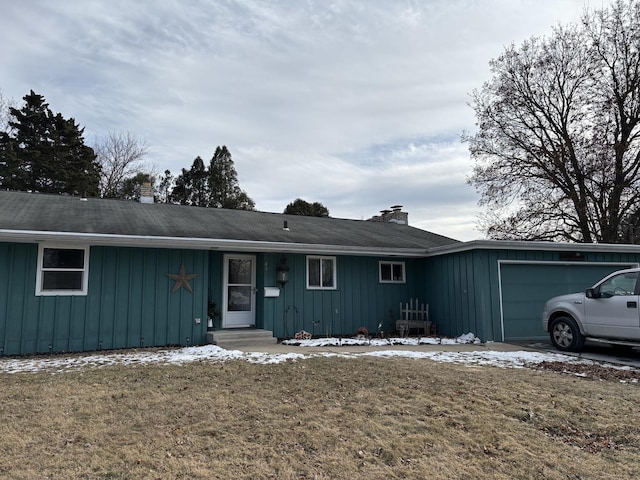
(526, 287)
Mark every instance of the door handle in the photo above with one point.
(632, 304)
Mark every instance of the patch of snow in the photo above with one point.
(213, 353)
(518, 359)
(468, 338)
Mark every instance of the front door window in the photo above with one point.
(239, 301)
(239, 284)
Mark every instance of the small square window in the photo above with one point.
(392, 272)
(321, 273)
(62, 271)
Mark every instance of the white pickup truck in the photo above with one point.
(608, 312)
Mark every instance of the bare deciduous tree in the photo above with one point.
(5, 114)
(557, 152)
(121, 156)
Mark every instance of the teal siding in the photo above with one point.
(454, 291)
(359, 299)
(216, 265)
(525, 288)
(128, 304)
(463, 291)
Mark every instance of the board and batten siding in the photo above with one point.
(128, 304)
(461, 294)
(464, 288)
(359, 300)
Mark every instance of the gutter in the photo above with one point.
(535, 246)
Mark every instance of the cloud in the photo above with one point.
(357, 104)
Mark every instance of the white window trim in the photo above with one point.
(62, 293)
(387, 262)
(320, 287)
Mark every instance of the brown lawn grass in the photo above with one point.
(318, 418)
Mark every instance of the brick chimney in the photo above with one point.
(146, 193)
(394, 215)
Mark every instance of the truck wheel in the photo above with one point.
(565, 335)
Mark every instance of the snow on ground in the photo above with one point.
(212, 353)
(384, 342)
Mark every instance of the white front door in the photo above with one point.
(239, 291)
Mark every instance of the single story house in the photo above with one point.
(82, 274)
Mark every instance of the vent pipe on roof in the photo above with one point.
(286, 226)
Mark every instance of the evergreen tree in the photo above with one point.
(191, 186)
(11, 176)
(224, 190)
(76, 171)
(216, 186)
(46, 153)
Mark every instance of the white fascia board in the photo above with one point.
(535, 246)
(32, 236)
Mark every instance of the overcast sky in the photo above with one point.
(357, 104)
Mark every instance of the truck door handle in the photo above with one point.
(632, 305)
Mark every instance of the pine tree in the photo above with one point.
(29, 142)
(216, 186)
(76, 171)
(11, 176)
(191, 186)
(224, 188)
(46, 153)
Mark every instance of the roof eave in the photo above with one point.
(34, 236)
(534, 246)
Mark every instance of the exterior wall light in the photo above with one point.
(282, 272)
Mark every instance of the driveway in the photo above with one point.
(597, 352)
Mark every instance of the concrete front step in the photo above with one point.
(244, 337)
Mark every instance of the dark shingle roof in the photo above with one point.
(57, 213)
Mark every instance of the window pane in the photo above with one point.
(624, 284)
(327, 272)
(314, 272)
(385, 272)
(398, 274)
(62, 258)
(239, 299)
(61, 280)
(239, 271)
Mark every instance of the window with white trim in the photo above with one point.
(392, 272)
(321, 273)
(62, 270)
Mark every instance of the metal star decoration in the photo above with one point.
(182, 279)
